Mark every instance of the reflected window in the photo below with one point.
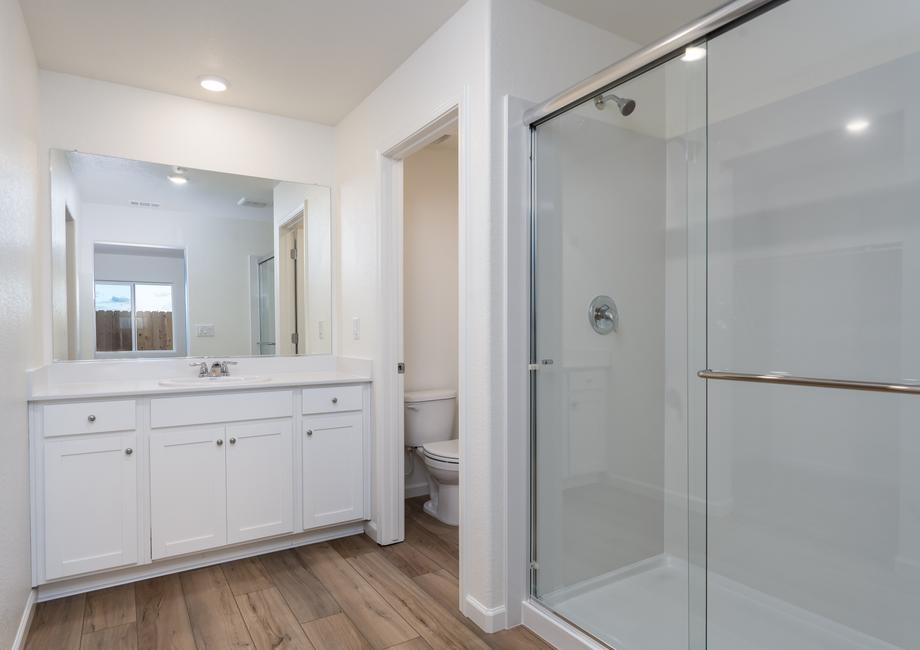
(134, 317)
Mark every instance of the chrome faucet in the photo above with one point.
(216, 369)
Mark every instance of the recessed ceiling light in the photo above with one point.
(858, 125)
(694, 54)
(214, 84)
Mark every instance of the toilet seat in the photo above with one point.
(443, 451)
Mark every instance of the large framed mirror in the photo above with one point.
(152, 260)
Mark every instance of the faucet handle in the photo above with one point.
(202, 367)
(225, 367)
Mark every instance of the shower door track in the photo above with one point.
(814, 382)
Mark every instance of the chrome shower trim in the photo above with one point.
(647, 56)
(814, 382)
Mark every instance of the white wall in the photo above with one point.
(486, 50)
(430, 290)
(115, 120)
(217, 257)
(19, 257)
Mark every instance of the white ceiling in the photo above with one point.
(641, 21)
(308, 59)
(118, 181)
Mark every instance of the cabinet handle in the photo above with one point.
(232, 441)
(335, 400)
(309, 432)
(91, 418)
(220, 442)
(129, 451)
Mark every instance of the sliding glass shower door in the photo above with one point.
(726, 257)
(814, 272)
(619, 482)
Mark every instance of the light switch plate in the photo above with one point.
(203, 331)
(356, 328)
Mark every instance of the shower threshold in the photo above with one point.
(644, 607)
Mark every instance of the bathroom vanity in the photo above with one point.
(141, 477)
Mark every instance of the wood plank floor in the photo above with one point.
(341, 595)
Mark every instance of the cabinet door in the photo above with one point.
(90, 485)
(260, 490)
(188, 490)
(333, 469)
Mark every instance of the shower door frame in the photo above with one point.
(536, 615)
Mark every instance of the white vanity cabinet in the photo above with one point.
(128, 488)
(333, 477)
(88, 482)
(188, 490)
(90, 488)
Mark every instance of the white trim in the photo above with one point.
(389, 476)
(516, 319)
(69, 587)
(554, 630)
(490, 619)
(22, 632)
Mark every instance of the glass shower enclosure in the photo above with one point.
(726, 331)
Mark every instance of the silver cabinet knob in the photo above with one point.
(129, 451)
(91, 418)
(232, 441)
(220, 442)
(309, 432)
(335, 400)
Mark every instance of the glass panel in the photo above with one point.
(113, 317)
(267, 306)
(154, 316)
(814, 499)
(620, 217)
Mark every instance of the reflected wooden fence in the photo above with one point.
(113, 331)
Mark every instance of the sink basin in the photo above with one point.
(205, 382)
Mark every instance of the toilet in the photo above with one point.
(429, 418)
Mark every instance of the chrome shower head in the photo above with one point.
(624, 104)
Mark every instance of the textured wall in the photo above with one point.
(18, 176)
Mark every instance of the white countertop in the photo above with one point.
(152, 387)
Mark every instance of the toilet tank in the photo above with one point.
(429, 416)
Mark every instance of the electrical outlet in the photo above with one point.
(204, 331)
(356, 328)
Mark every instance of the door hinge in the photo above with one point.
(400, 368)
(295, 338)
(534, 566)
(293, 253)
(531, 367)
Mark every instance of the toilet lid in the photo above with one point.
(447, 451)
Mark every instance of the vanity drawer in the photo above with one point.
(226, 407)
(88, 417)
(332, 399)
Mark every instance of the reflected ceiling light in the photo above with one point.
(858, 125)
(214, 84)
(694, 54)
(178, 176)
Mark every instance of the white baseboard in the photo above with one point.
(417, 490)
(490, 619)
(26, 621)
(554, 630)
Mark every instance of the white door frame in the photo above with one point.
(389, 386)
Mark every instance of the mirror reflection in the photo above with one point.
(153, 260)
